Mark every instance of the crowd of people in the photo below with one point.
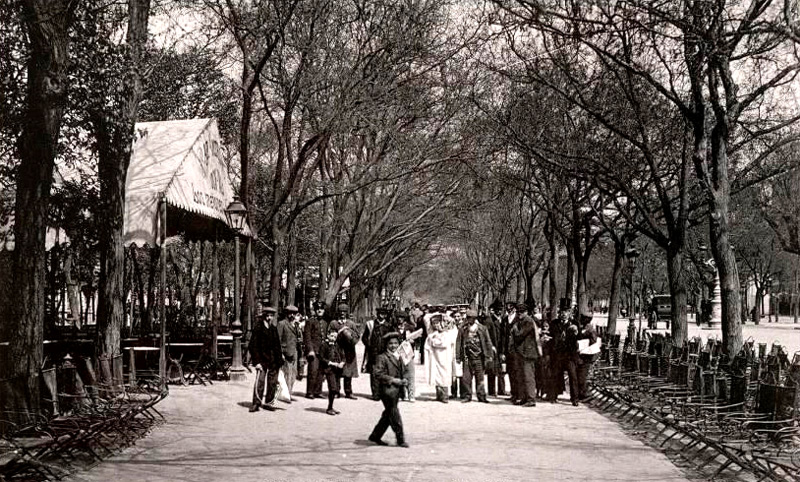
(463, 353)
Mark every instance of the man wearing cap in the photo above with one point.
(347, 338)
(389, 370)
(527, 349)
(312, 336)
(290, 334)
(266, 354)
(373, 344)
(582, 363)
(474, 350)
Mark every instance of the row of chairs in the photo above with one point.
(88, 413)
(716, 411)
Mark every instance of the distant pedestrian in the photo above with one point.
(474, 351)
(440, 354)
(347, 339)
(389, 370)
(313, 333)
(290, 334)
(527, 349)
(372, 338)
(266, 354)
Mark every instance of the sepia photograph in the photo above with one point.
(399, 240)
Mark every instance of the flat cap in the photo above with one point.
(472, 314)
(343, 308)
(292, 309)
(268, 309)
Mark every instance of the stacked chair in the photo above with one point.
(719, 413)
(84, 418)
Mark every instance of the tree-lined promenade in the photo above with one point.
(386, 153)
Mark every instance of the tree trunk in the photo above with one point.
(677, 291)
(115, 134)
(616, 278)
(569, 282)
(73, 290)
(47, 23)
(244, 130)
(291, 269)
(276, 268)
(728, 279)
(552, 268)
(758, 303)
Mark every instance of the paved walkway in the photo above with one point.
(210, 436)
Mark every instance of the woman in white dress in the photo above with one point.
(440, 350)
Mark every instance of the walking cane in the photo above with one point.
(255, 388)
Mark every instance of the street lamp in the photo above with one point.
(716, 295)
(236, 214)
(631, 254)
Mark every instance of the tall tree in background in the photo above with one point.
(47, 24)
(111, 96)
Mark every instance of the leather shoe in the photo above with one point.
(377, 441)
(331, 411)
(402, 444)
(574, 403)
(310, 396)
(529, 404)
(351, 396)
(254, 408)
(466, 400)
(483, 400)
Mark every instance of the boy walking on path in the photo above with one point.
(389, 370)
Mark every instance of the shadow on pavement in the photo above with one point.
(316, 409)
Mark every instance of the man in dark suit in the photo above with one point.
(526, 340)
(290, 334)
(266, 354)
(312, 336)
(474, 350)
(584, 362)
(372, 338)
(389, 370)
(350, 368)
(493, 370)
(510, 352)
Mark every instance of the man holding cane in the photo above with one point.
(266, 354)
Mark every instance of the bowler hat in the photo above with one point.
(390, 335)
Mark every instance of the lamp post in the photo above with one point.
(716, 295)
(631, 254)
(236, 213)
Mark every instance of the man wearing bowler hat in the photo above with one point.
(313, 332)
(347, 336)
(389, 370)
(373, 344)
(266, 354)
(474, 350)
(526, 340)
(290, 334)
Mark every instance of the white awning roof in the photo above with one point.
(181, 161)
